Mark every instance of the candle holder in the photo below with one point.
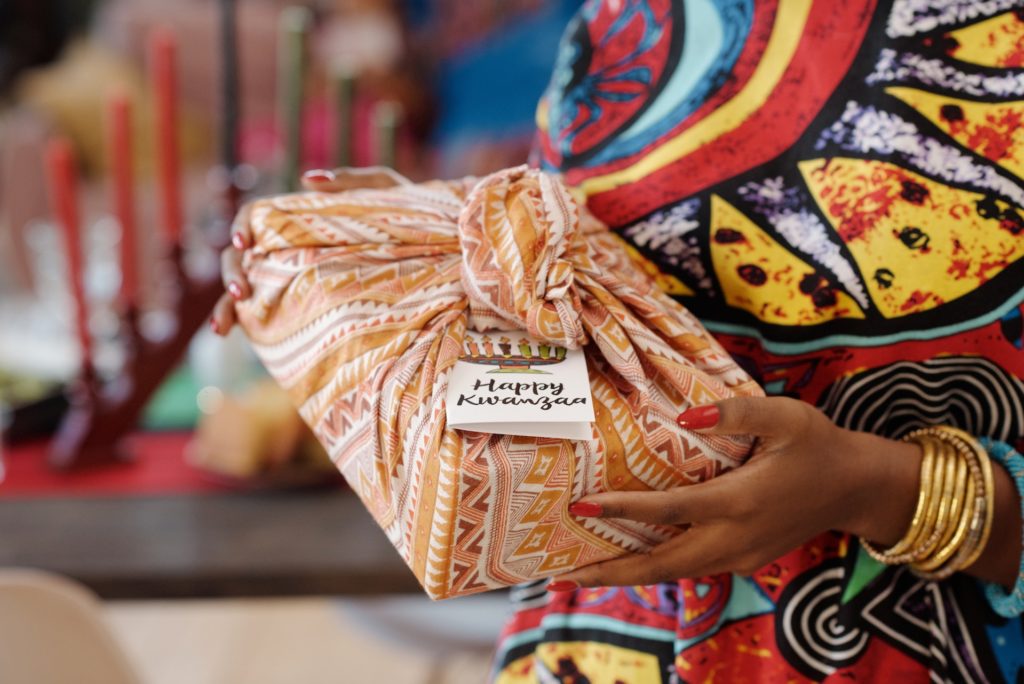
(102, 412)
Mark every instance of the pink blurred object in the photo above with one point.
(261, 142)
(23, 191)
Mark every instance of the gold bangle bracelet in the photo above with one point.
(958, 504)
(929, 533)
(958, 538)
(927, 467)
(953, 516)
(974, 525)
(986, 531)
(897, 553)
(948, 460)
(936, 566)
(967, 533)
(963, 537)
(960, 510)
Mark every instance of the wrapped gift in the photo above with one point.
(361, 303)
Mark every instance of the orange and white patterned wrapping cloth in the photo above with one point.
(359, 307)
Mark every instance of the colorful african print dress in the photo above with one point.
(835, 188)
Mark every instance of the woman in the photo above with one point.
(835, 189)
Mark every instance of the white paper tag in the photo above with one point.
(511, 384)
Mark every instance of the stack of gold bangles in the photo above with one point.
(953, 517)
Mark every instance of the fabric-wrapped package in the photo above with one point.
(360, 303)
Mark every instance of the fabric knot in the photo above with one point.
(519, 234)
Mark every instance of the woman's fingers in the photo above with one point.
(680, 506)
(678, 557)
(241, 233)
(235, 282)
(757, 416)
(223, 317)
(339, 180)
(231, 274)
(319, 180)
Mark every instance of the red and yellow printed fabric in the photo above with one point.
(360, 303)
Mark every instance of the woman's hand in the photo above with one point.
(235, 284)
(806, 476)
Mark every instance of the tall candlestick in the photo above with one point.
(229, 85)
(119, 140)
(295, 24)
(63, 181)
(344, 80)
(386, 118)
(163, 50)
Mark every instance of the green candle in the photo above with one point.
(343, 78)
(294, 26)
(386, 118)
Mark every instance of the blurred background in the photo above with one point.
(163, 511)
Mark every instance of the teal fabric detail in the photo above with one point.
(1009, 604)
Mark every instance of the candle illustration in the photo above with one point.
(524, 348)
(504, 358)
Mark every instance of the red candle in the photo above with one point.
(63, 180)
(119, 139)
(163, 73)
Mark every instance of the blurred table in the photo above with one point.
(205, 545)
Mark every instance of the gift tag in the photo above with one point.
(511, 384)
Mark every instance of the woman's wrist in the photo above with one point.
(879, 489)
(883, 480)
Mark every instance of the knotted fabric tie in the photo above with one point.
(519, 234)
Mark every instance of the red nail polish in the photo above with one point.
(699, 417)
(238, 242)
(235, 290)
(563, 585)
(214, 326)
(585, 509)
(318, 176)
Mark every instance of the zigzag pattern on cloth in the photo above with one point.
(360, 303)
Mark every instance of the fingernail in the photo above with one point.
(214, 325)
(318, 176)
(563, 585)
(699, 417)
(238, 241)
(585, 509)
(235, 290)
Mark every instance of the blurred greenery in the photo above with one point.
(174, 407)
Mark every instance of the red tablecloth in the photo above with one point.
(159, 468)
